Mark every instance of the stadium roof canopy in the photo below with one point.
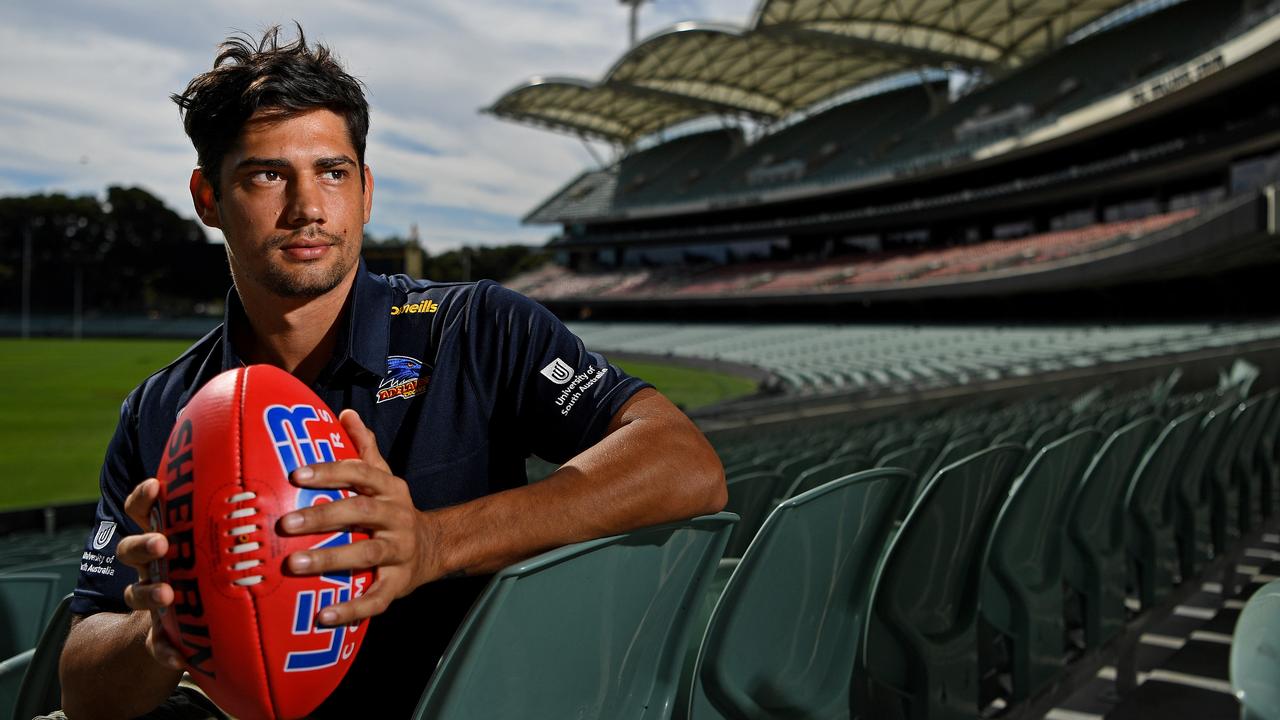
(1001, 32)
(798, 53)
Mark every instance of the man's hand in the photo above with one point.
(138, 552)
(401, 538)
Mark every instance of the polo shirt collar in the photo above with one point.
(363, 339)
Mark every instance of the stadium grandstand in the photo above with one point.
(1003, 274)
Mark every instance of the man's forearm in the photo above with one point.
(107, 671)
(654, 467)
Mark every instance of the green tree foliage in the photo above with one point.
(134, 254)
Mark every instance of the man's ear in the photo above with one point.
(205, 203)
(368, 194)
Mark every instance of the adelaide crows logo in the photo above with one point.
(403, 378)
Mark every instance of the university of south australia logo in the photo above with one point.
(558, 371)
(403, 379)
(106, 529)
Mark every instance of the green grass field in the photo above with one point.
(63, 398)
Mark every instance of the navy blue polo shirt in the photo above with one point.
(460, 382)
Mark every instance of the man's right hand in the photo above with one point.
(138, 552)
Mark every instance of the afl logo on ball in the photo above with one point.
(105, 530)
(558, 371)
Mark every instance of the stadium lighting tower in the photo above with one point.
(634, 22)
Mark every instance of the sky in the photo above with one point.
(84, 97)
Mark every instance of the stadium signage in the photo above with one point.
(1178, 78)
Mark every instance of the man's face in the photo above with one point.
(293, 206)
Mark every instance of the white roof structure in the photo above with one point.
(796, 53)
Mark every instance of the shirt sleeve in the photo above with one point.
(102, 577)
(560, 395)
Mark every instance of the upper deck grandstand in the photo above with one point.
(1041, 151)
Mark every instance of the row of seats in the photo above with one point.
(912, 567)
(817, 359)
(845, 272)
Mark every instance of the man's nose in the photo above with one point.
(306, 203)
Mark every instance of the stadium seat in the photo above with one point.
(595, 629)
(1150, 533)
(919, 656)
(953, 451)
(1094, 563)
(916, 458)
(1192, 501)
(37, 690)
(1021, 592)
(824, 473)
(1255, 661)
(27, 600)
(1226, 494)
(1248, 473)
(1268, 463)
(782, 639)
(750, 498)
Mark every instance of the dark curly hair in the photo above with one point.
(251, 76)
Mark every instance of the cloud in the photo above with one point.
(84, 103)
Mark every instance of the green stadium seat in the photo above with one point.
(888, 444)
(26, 602)
(916, 458)
(1255, 662)
(1021, 591)
(1269, 463)
(1149, 504)
(66, 568)
(1094, 562)
(750, 498)
(1248, 474)
(826, 472)
(1193, 505)
(953, 451)
(595, 629)
(39, 690)
(11, 673)
(919, 656)
(1226, 494)
(782, 639)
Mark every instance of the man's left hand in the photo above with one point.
(401, 540)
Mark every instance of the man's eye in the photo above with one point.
(266, 176)
(336, 174)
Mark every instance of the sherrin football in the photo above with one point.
(244, 624)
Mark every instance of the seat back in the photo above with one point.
(26, 601)
(1192, 496)
(1247, 475)
(783, 636)
(1022, 575)
(1255, 655)
(750, 498)
(1094, 552)
(824, 473)
(595, 629)
(40, 691)
(1225, 493)
(916, 458)
(1149, 505)
(919, 655)
(951, 452)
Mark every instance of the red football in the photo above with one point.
(245, 625)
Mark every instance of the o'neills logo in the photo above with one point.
(426, 306)
(403, 380)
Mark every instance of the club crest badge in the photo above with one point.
(403, 379)
(106, 529)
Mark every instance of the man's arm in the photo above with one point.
(651, 466)
(118, 665)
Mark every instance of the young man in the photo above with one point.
(445, 388)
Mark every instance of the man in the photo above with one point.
(444, 388)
